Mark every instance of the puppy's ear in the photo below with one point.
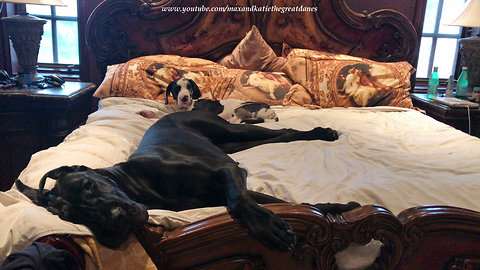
(169, 90)
(38, 197)
(196, 94)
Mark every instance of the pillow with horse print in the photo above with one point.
(148, 76)
(336, 80)
(249, 85)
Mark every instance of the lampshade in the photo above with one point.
(470, 16)
(36, 2)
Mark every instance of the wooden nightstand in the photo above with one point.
(35, 119)
(455, 117)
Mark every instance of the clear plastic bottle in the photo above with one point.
(449, 91)
(433, 82)
(462, 84)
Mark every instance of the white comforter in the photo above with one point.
(394, 157)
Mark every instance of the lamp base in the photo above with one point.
(25, 32)
(470, 58)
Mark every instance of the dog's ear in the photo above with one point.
(169, 90)
(59, 172)
(46, 198)
(38, 197)
(42, 196)
(196, 94)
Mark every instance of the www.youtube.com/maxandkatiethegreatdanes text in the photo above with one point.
(252, 8)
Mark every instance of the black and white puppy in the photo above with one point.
(185, 92)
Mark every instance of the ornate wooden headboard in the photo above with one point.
(119, 30)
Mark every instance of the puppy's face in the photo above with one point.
(184, 91)
(267, 114)
(83, 196)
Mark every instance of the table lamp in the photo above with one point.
(25, 32)
(470, 46)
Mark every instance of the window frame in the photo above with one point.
(421, 83)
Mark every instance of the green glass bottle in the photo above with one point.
(433, 82)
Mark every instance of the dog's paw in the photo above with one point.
(326, 134)
(336, 208)
(272, 231)
(331, 134)
(148, 114)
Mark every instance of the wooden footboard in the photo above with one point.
(427, 237)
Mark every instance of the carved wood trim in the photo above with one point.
(319, 238)
(448, 231)
(428, 237)
(119, 30)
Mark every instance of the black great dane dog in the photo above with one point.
(181, 163)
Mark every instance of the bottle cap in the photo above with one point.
(464, 68)
(476, 89)
(435, 69)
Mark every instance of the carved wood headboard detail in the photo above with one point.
(119, 30)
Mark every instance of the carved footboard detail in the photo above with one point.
(440, 237)
(220, 242)
(419, 238)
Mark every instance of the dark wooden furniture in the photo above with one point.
(35, 119)
(455, 117)
(429, 237)
(120, 30)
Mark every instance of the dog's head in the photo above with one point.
(184, 91)
(83, 196)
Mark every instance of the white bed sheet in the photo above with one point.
(394, 157)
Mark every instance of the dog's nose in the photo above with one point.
(184, 98)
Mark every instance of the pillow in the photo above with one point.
(148, 77)
(336, 80)
(250, 85)
(253, 53)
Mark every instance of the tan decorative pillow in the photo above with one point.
(253, 53)
(336, 80)
(249, 85)
(148, 76)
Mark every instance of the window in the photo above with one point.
(438, 46)
(59, 45)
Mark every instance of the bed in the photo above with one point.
(416, 178)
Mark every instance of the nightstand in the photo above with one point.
(35, 119)
(455, 117)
